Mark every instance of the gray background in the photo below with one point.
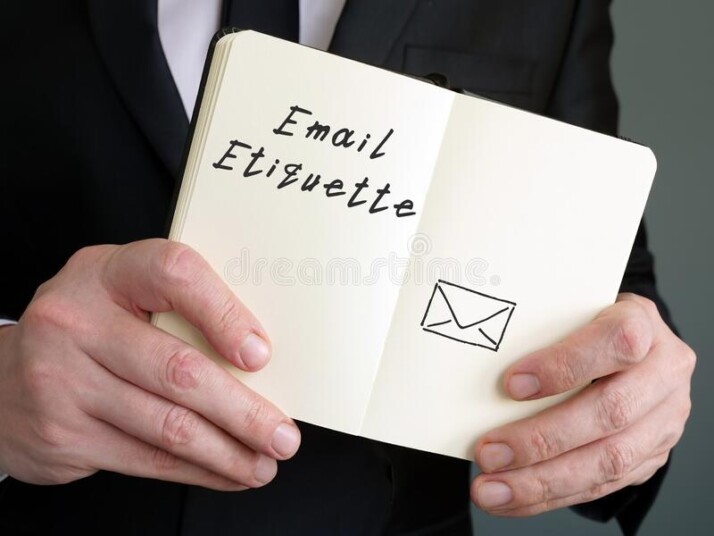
(664, 75)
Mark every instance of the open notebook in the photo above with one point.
(401, 243)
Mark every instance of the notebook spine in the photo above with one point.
(228, 30)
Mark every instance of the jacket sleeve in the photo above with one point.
(583, 95)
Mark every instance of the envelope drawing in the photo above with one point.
(467, 316)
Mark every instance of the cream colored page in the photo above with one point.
(309, 267)
(542, 214)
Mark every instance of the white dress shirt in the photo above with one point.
(186, 28)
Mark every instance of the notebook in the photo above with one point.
(401, 243)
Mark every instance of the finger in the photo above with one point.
(640, 475)
(619, 338)
(121, 453)
(160, 275)
(168, 367)
(600, 410)
(601, 464)
(178, 431)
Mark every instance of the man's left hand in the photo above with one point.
(616, 432)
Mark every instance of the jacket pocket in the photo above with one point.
(500, 78)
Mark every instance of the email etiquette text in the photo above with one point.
(256, 162)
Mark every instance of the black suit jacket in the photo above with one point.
(90, 147)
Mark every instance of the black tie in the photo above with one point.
(279, 18)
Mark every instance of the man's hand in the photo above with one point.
(86, 383)
(616, 432)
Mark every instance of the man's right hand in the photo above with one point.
(87, 384)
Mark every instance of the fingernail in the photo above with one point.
(254, 351)
(286, 440)
(493, 494)
(523, 385)
(494, 456)
(265, 469)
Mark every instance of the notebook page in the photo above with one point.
(527, 219)
(313, 269)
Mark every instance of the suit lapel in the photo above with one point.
(368, 29)
(126, 34)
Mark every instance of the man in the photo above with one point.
(144, 435)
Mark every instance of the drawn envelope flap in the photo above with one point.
(469, 307)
